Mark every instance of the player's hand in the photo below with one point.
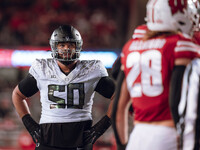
(90, 136)
(36, 136)
(33, 128)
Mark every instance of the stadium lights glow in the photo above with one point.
(22, 58)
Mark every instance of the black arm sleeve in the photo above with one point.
(116, 68)
(120, 79)
(28, 86)
(175, 91)
(105, 87)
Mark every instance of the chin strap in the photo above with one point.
(66, 63)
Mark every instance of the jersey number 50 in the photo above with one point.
(75, 91)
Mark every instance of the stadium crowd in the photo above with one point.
(30, 22)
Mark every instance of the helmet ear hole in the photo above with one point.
(181, 23)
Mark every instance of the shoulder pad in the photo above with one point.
(139, 32)
(96, 66)
(39, 67)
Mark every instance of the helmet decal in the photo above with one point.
(177, 5)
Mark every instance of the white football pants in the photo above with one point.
(152, 137)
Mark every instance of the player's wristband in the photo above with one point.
(91, 135)
(29, 123)
(102, 125)
(32, 127)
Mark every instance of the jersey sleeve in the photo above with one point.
(97, 72)
(102, 70)
(139, 32)
(34, 69)
(196, 37)
(186, 49)
(38, 71)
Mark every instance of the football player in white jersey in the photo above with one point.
(188, 126)
(67, 86)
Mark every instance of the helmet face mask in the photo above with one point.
(66, 35)
(172, 15)
(66, 51)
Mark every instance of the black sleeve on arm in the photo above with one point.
(175, 91)
(116, 68)
(105, 87)
(120, 79)
(28, 86)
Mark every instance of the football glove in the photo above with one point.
(91, 135)
(33, 128)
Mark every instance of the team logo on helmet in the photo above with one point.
(177, 5)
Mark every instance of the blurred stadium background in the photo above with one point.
(26, 26)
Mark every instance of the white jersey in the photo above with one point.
(189, 107)
(66, 98)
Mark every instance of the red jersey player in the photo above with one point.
(155, 56)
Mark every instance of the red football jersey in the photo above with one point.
(148, 67)
(196, 37)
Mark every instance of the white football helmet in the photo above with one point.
(173, 15)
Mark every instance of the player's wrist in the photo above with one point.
(102, 125)
(90, 136)
(30, 124)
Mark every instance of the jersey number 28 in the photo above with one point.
(147, 66)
